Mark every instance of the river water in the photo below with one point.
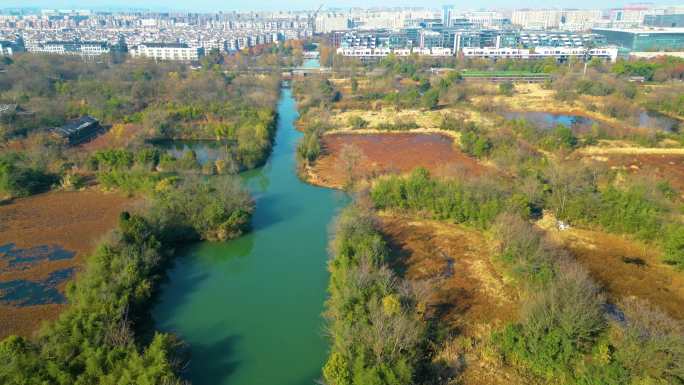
(251, 308)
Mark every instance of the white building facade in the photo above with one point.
(559, 53)
(163, 51)
(77, 48)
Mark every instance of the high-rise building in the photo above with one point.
(447, 15)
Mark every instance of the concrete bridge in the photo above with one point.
(290, 72)
(293, 72)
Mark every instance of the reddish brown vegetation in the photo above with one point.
(626, 268)
(469, 290)
(121, 135)
(392, 153)
(466, 291)
(668, 167)
(75, 221)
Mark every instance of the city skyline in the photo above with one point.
(275, 5)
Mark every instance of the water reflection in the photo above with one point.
(652, 119)
(547, 120)
(206, 151)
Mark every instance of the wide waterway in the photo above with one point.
(251, 308)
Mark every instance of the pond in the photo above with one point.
(250, 309)
(549, 120)
(646, 119)
(652, 119)
(206, 150)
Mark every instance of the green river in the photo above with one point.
(251, 308)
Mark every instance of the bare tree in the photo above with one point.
(351, 157)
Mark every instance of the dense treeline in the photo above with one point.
(622, 98)
(579, 195)
(661, 68)
(647, 211)
(475, 203)
(98, 339)
(314, 92)
(141, 100)
(149, 168)
(169, 100)
(377, 335)
(591, 197)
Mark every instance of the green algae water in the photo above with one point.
(251, 308)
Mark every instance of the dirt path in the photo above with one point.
(470, 296)
(44, 240)
(592, 150)
(456, 136)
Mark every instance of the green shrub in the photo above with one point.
(376, 334)
(559, 324)
(129, 182)
(469, 203)
(560, 137)
(506, 88)
(630, 211)
(475, 143)
(215, 209)
(111, 159)
(309, 147)
(649, 344)
(18, 179)
(357, 122)
(674, 245)
(524, 250)
(430, 99)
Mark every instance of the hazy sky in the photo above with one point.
(217, 5)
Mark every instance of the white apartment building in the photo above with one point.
(366, 53)
(495, 53)
(167, 51)
(536, 18)
(77, 48)
(332, 21)
(580, 19)
(606, 53)
(629, 16)
(484, 19)
(571, 19)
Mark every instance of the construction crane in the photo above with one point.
(312, 20)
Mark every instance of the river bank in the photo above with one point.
(250, 309)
